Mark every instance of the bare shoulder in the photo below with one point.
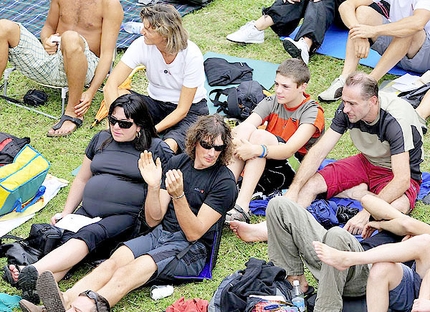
(110, 6)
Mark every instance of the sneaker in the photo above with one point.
(334, 92)
(247, 34)
(297, 49)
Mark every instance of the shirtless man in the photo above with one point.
(72, 51)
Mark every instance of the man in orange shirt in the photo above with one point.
(294, 122)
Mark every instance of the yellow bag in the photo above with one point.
(20, 181)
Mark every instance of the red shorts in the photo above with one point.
(349, 172)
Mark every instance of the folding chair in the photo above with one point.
(64, 91)
(206, 272)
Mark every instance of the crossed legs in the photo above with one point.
(109, 281)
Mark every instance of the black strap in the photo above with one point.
(10, 99)
(9, 236)
(179, 256)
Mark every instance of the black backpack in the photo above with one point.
(10, 146)
(241, 100)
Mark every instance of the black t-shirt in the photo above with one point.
(215, 186)
(117, 186)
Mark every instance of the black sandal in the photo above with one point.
(239, 215)
(78, 122)
(27, 282)
(102, 305)
(7, 276)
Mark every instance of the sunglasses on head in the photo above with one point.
(121, 123)
(206, 145)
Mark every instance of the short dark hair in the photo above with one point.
(368, 84)
(295, 69)
(208, 128)
(135, 108)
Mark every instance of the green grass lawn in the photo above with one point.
(208, 28)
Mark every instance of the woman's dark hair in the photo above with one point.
(135, 108)
(208, 128)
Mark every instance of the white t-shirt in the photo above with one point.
(403, 8)
(166, 80)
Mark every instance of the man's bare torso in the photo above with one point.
(84, 17)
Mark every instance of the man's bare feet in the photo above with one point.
(249, 232)
(331, 256)
(65, 126)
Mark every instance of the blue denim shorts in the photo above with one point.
(402, 297)
(163, 247)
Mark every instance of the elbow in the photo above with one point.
(192, 237)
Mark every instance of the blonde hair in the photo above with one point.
(167, 22)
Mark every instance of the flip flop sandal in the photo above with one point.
(7, 276)
(78, 122)
(49, 292)
(239, 215)
(102, 305)
(27, 282)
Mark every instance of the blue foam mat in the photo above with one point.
(264, 73)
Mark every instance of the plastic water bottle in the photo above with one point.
(159, 292)
(298, 297)
(132, 27)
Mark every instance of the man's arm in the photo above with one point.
(405, 27)
(312, 161)
(185, 101)
(282, 151)
(401, 180)
(112, 19)
(193, 226)
(50, 27)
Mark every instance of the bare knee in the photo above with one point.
(71, 42)
(380, 271)
(368, 16)
(10, 32)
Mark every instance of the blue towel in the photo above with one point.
(8, 302)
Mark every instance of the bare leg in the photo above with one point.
(356, 192)
(75, 66)
(392, 55)
(383, 277)
(411, 249)
(264, 22)
(60, 260)
(101, 275)
(253, 168)
(367, 16)
(315, 185)
(422, 304)
(138, 272)
(250, 232)
(9, 37)
(423, 109)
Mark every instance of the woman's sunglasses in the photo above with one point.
(121, 123)
(206, 145)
